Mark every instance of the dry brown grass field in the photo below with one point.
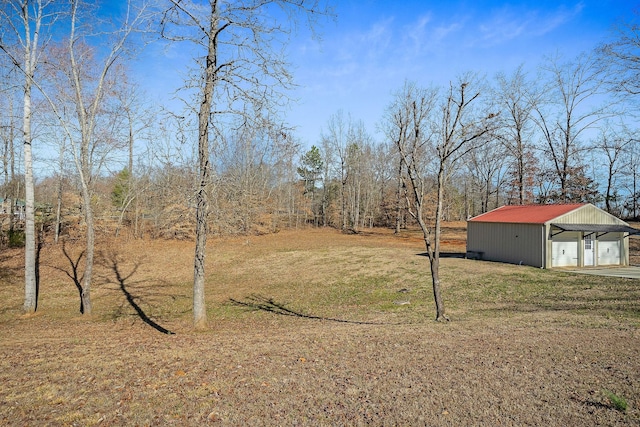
(316, 328)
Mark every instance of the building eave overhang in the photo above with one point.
(598, 229)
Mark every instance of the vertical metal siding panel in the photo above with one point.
(475, 236)
(511, 243)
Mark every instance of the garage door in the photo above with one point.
(564, 250)
(608, 251)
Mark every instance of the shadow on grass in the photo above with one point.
(73, 274)
(259, 302)
(112, 262)
(446, 254)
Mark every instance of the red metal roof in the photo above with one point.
(526, 214)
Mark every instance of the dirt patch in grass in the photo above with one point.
(315, 327)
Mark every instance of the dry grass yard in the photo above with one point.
(317, 328)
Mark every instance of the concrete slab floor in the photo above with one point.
(631, 272)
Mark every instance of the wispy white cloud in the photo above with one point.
(559, 18)
(416, 32)
(425, 34)
(509, 23)
(444, 32)
(504, 26)
(374, 41)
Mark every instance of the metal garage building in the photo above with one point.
(571, 235)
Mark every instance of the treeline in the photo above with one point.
(564, 132)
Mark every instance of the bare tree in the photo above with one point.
(328, 187)
(9, 135)
(623, 56)
(632, 159)
(82, 105)
(514, 98)
(336, 141)
(242, 71)
(569, 110)
(400, 199)
(29, 22)
(382, 161)
(358, 149)
(60, 188)
(247, 176)
(136, 119)
(431, 137)
(485, 166)
(614, 145)
(408, 125)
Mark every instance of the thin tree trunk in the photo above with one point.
(343, 199)
(399, 198)
(433, 249)
(435, 260)
(520, 170)
(58, 225)
(356, 219)
(635, 196)
(59, 197)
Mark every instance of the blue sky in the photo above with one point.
(372, 47)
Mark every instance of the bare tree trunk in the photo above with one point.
(356, 208)
(520, 160)
(30, 288)
(87, 103)
(411, 127)
(433, 248)
(634, 196)
(236, 71)
(343, 199)
(59, 190)
(58, 224)
(435, 259)
(90, 238)
(399, 198)
(30, 57)
(202, 199)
